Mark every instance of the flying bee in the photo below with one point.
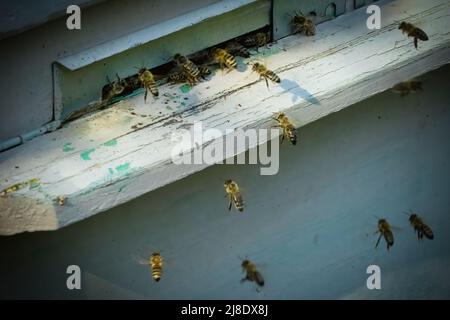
(412, 31)
(406, 87)
(156, 263)
(420, 227)
(61, 200)
(265, 73)
(251, 273)
(113, 89)
(147, 80)
(385, 230)
(18, 186)
(301, 23)
(189, 68)
(289, 130)
(223, 58)
(182, 77)
(232, 190)
(257, 40)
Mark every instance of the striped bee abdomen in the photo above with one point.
(420, 227)
(273, 76)
(224, 58)
(291, 133)
(238, 202)
(156, 263)
(389, 237)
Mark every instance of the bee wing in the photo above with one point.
(421, 34)
(140, 260)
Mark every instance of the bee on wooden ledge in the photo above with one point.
(265, 73)
(301, 23)
(257, 40)
(414, 32)
(147, 81)
(190, 69)
(224, 59)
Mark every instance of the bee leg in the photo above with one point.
(145, 95)
(281, 138)
(378, 241)
(267, 83)
(231, 203)
(416, 42)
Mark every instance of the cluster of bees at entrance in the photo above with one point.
(193, 70)
(191, 73)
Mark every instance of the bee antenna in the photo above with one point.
(117, 75)
(376, 217)
(107, 78)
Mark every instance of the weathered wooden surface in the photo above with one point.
(99, 162)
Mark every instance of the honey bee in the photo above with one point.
(147, 80)
(232, 190)
(301, 23)
(223, 58)
(413, 31)
(257, 40)
(265, 73)
(237, 49)
(420, 227)
(19, 186)
(189, 68)
(113, 89)
(182, 77)
(156, 263)
(385, 230)
(406, 87)
(252, 274)
(61, 200)
(289, 130)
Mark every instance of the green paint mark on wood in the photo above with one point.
(67, 147)
(86, 155)
(111, 171)
(269, 52)
(185, 88)
(110, 143)
(183, 104)
(123, 167)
